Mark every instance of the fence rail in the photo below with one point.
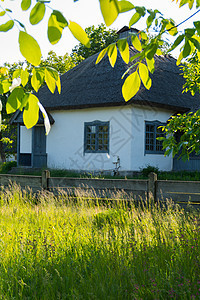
(179, 191)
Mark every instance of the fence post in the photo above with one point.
(152, 186)
(45, 177)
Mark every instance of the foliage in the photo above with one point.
(61, 249)
(7, 166)
(183, 133)
(147, 170)
(191, 73)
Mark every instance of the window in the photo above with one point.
(96, 139)
(152, 132)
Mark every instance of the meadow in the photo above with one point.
(60, 248)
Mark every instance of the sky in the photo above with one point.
(85, 13)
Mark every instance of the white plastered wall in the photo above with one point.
(65, 142)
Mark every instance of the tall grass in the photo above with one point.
(56, 248)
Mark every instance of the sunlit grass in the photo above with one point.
(56, 248)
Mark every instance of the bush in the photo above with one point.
(7, 166)
(145, 171)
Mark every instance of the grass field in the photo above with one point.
(53, 248)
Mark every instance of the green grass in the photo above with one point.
(53, 248)
(181, 175)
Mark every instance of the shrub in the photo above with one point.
(7, 166)
(145, 171)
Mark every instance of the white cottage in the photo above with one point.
(92, 126)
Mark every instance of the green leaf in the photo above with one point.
(109, 10)
(151, 51)
(150, 64)
(177, 42)
(37, 13)
(141, 10)
(112, 54)
(189, 32)
(101, 55)
(124, 50)
(197, 25)
(31, 112)
(4, 86)
(25, 4)
(24, 101)
(7, 26)
(136, 42)
(56, 24)
(197, 3)
(125, 6)
(135, 18)
(58, 84)
(172, 29)
(16, 73)
(144, 75)
(159, 52)
(179, 58)
(196, 43)
(24, 77)
(183, 2)
(186, 49)
(79, 33)
(50, 81)
(191, 2)
(29, 48)
(14, 100)
(2, 13)
(151, 17)
(131, 86)
(37, 79)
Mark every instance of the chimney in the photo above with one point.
(125, 31)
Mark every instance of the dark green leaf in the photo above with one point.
(151, 51)
(197, 25)
(14, 100)
(189, 32)
(141, 10)
(186, 49)
(177, 42)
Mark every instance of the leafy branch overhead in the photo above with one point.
(142, 63)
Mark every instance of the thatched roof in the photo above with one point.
(91, 85)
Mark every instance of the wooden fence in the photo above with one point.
(179, 191)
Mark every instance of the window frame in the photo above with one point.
(156, 124)
(97, 124)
